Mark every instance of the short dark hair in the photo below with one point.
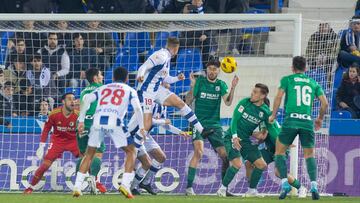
(1, 71)
(172, 42)
(24, 83)
(66, 94)
(8, 84)
(120, 74)
(267, 102)
(263, 88)
(215, 63)
(36, 56)
(77, 35)
(90, 73)
(19, 58)
(17, 40)
(52, 33)
(299, 63)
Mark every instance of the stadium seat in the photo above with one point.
(341, 115)
(189, 59)
(266, 5)
(128, 58)
(3, 46)
(138, 40)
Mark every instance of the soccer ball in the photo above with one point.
(228, 64)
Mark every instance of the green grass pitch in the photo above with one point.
(67, 198)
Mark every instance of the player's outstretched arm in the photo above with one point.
(228, 98)
(276, 105)
(189, 98)
(154, 60)
(85, 104)
(44, 135)
(324, 105)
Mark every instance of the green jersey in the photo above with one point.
(247, 117)
(89, 89)
(273, 132)
(300, 92)
(208, 101)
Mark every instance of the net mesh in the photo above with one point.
(263, 50)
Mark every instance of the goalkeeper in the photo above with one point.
(95, 78)
(208, 92)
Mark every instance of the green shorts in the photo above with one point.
(83, 141)
(230, 151)
(250, 152)
(216, 139)
(306, 137)
(269, 156)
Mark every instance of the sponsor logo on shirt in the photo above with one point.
(204, 95)
(251, 118)
(241, 109)
(261, 114)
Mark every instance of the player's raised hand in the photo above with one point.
(272, 119)
(192, 79)
(140, 79)
(81, 128)
(318, 123)
(181, 76)
(236, 143)
(40, 150)
(235, 81)
(167, 121)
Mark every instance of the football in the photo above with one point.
(228, 64)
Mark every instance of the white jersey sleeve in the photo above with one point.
(135, 103)
(157, 58)
(85, 104)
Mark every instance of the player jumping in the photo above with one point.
(63, 121)
(300, 91)
(151, 75)
(112, 103)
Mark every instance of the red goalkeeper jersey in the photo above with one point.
(64, 127)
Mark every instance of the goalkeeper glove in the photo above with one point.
(40, 150)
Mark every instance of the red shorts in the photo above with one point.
(56, 149)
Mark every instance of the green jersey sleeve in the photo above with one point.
(196, 87)
(224, 88)
(284, 83)
(318, 91)
(236, 116)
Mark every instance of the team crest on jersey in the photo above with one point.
(203, 95)
(71, 124)
(217, 88)
(241, 109)
(261, 114)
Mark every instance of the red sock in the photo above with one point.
(39, 173)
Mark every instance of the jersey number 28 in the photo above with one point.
(114, 97)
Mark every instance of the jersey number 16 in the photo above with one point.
(303, 95)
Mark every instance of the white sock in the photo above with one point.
(191, 117)
(79, 180)
(126, 180)
(155, 167)
(284, 180)
(223, 187)
(313, 184)
(251, 190)
(139, 176)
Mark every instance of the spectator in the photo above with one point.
(16, 71)
(102, 42)
(321, 47)
(81, 58)
(357, 8)
(226, 6)
(176, 6)
(57, 59)
(349, 45)
(19, 48)
(132, 6)
(43, 109)
(159, 6)
(104, 6)
(348, 93)
(2, 78)
(39, 77)
(7, 108)
(64, 38)
(196, 39)
(25, 99)
(39, 6)
(70, 6)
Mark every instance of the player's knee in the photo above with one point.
(309, 153)
(161, 159)
(198, 153)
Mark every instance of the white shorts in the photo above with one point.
(149, 145)
(118, 136)
(150, 97)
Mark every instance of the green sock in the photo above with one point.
(230, 173)
(311, 168)
(191, 176)
(296, 184)
(280, 163)
(78, 164)
(255, 177)
(95, 166)
(225, 166)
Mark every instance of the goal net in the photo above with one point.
(45, 56)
